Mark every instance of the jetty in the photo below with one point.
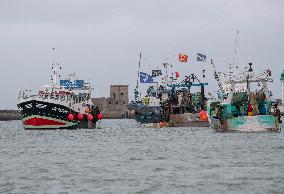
(8, 115)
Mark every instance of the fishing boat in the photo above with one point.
(245, 103)
(64, 104)
(147, 110)
(185, 108)
(171, 104)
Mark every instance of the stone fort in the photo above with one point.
(115, 106)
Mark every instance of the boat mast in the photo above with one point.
(136, 91)
(233, 67)
(167, 75)
(55, 77)
(235, 53)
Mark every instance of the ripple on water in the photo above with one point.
(124, 158)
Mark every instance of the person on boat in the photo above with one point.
(250, 110)
(216, 114)
(236, 111)
(262, 109)
(243, 110)
(213, 113)
(277, 113)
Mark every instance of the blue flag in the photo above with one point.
(145, 78)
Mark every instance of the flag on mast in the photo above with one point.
(146, 78)
(177, 74)
(156, 73)
(182, 58)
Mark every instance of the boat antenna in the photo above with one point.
(55, 77)
(236, 47)
(136, 92)
(166, 65)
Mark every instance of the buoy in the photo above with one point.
(80, 116)
(202, 113)
(90, 117)
(100, 116)
(70, 117)
(204, 117)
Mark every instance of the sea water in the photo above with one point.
(122, 157)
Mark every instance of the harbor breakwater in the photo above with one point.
(8, 115)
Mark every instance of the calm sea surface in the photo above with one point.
(124, 158)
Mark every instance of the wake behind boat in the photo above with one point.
(65, 104)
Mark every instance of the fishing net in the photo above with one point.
(239, 99)
(197, 100)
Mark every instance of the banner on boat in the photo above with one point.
(182, 58)
(72, 84)
(146, 78)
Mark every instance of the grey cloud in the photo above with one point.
(102, 39)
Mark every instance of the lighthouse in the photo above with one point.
(282, 86)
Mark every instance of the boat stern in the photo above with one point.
(257, 123)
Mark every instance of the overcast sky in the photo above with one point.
(101, 40)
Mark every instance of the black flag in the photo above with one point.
(201, 57)
(156, 73)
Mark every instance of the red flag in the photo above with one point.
(182, 58)
(177, 74)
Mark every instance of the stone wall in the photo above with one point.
(115, 106)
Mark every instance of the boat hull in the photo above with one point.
(45, 115)
(187, 120)
(148, 115)
(260, 123)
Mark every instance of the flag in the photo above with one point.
(156, 73)
(177, 74)
(182, 58)
(201, 57)
(145, 78)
